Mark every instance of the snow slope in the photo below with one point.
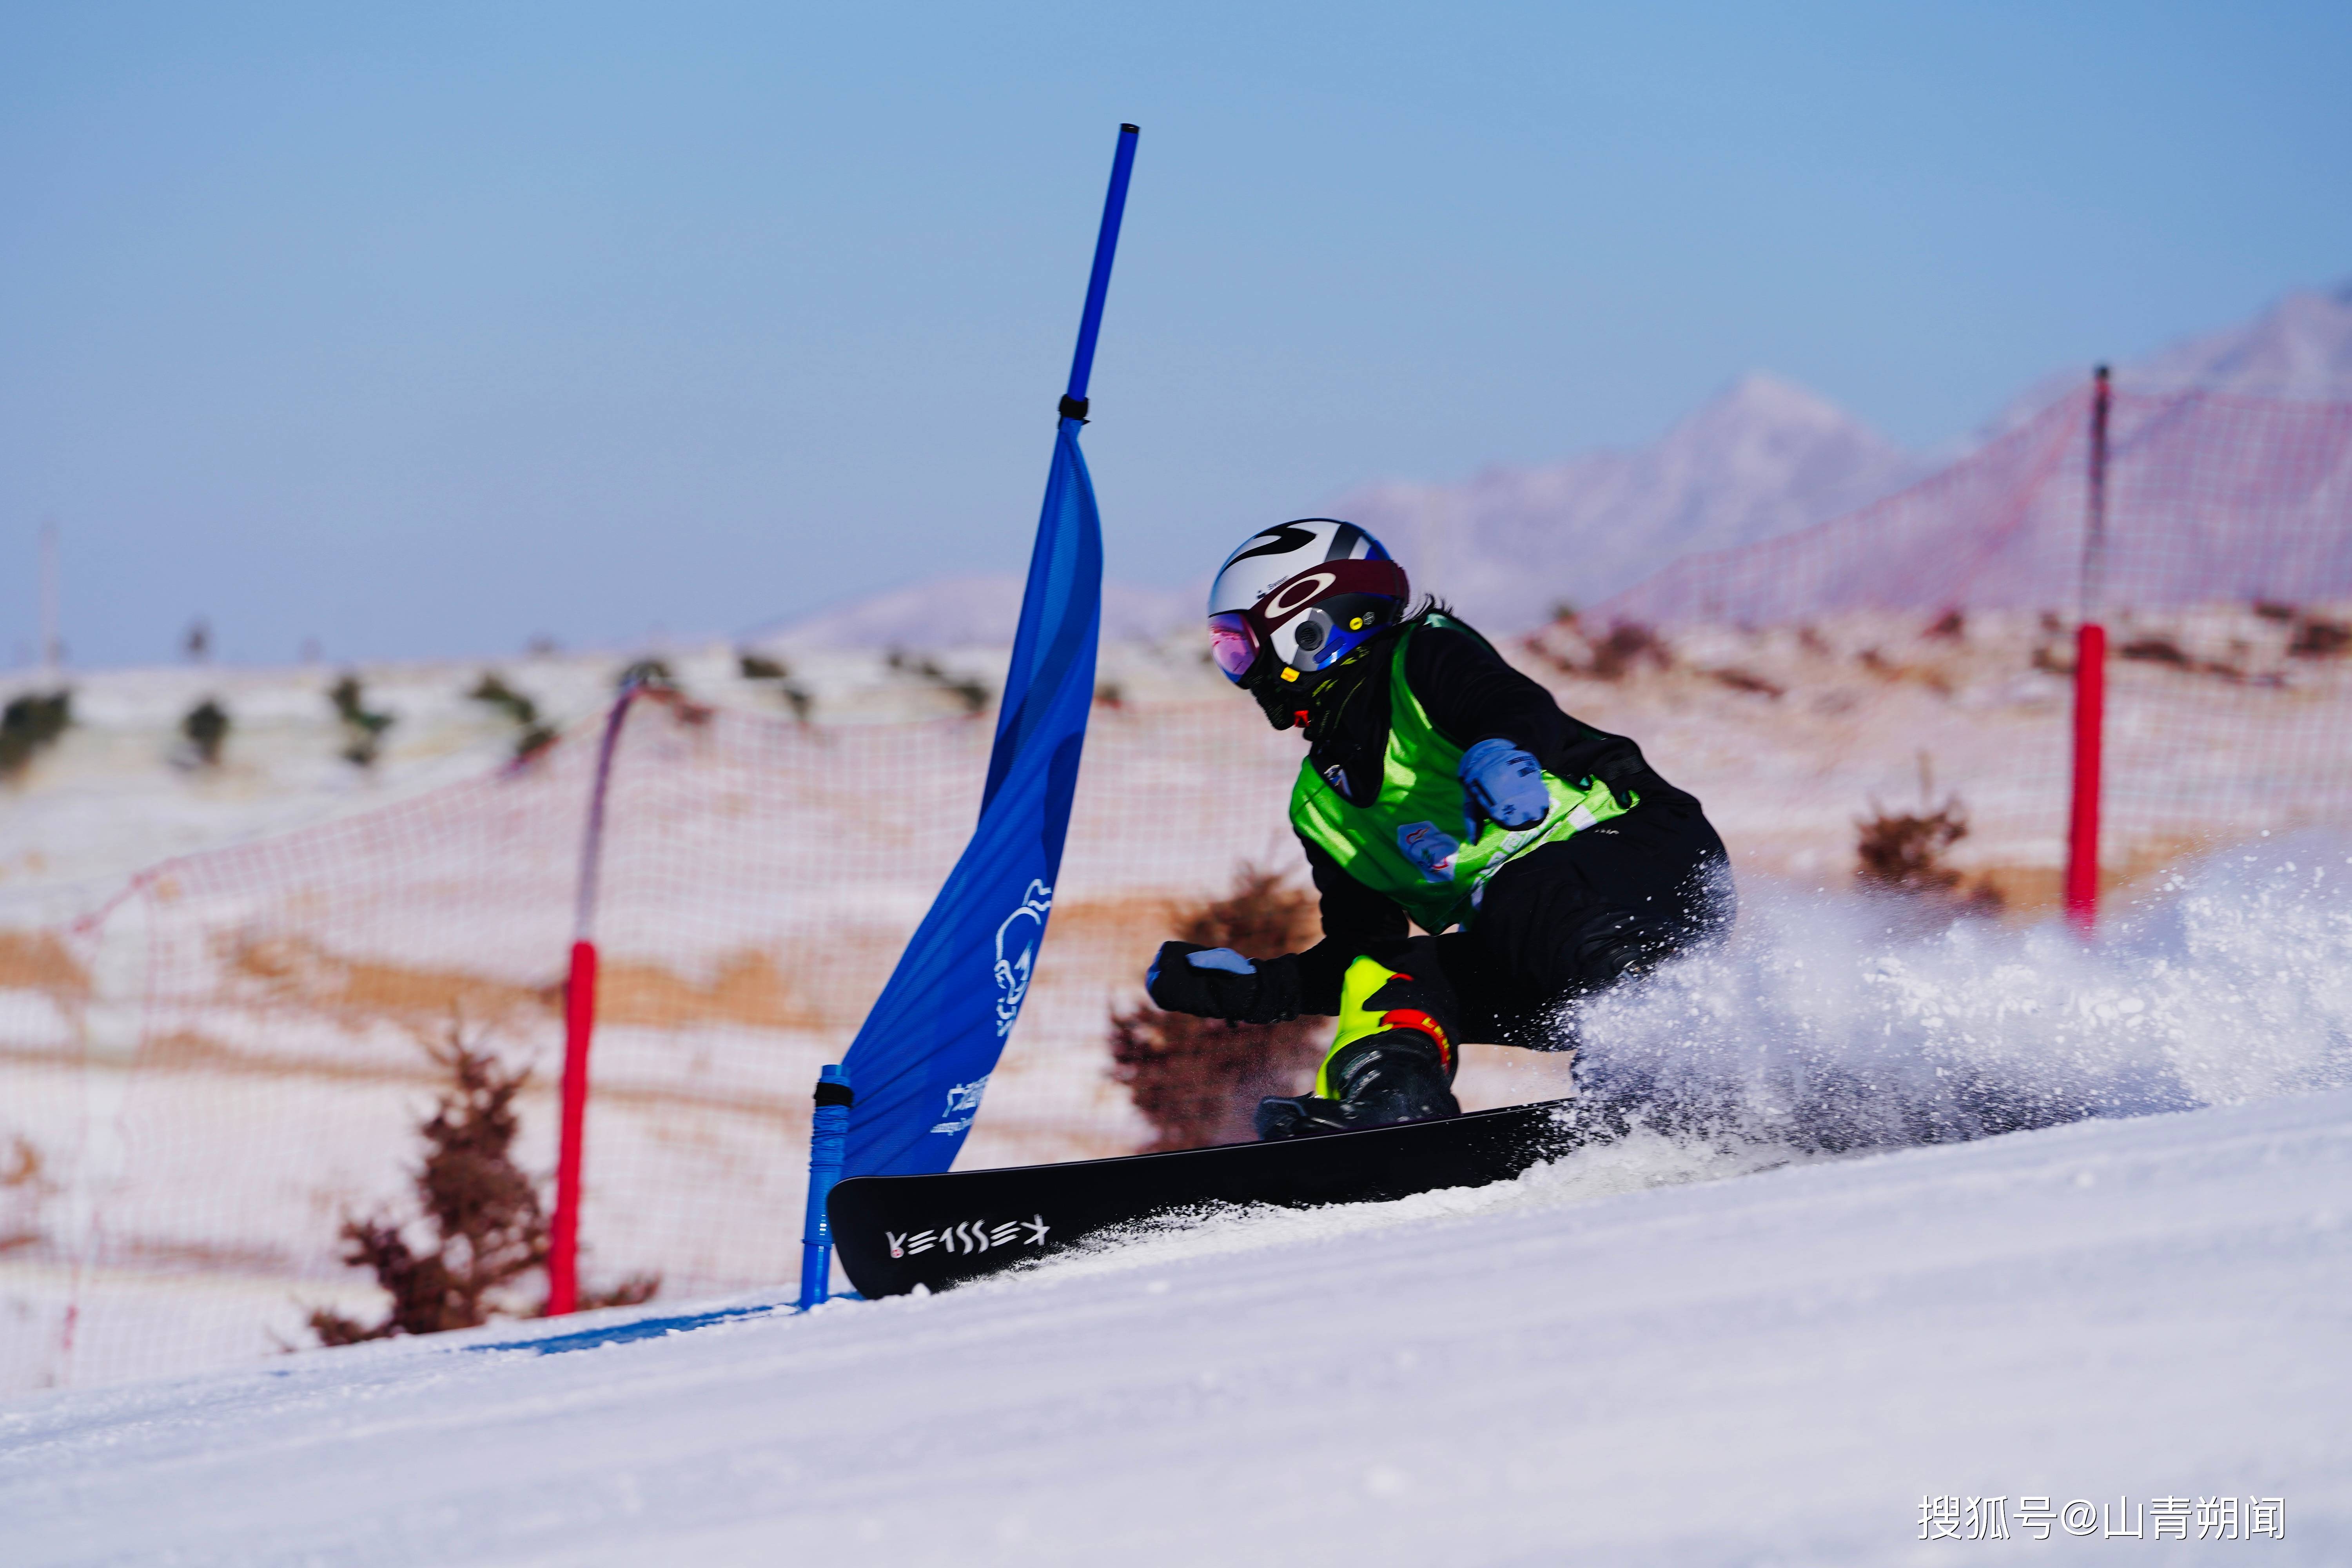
(1613, 1360)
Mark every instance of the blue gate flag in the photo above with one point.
(923, 1057)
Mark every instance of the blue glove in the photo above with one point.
(1505, 783)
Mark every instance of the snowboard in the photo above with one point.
(895, 1233)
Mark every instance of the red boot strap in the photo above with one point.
(1414, 1018)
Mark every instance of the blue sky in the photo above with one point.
(424, 329)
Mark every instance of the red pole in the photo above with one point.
(2083, 830)
(2090, 683)
(579, 1029)
(578, 1025)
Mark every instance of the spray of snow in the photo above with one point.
(1823, 1028)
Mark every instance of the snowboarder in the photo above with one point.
(1546, 859)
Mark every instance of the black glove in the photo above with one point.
(1218, 982)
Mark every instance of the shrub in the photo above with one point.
(1628, 646)
(205, 728)
(1746, 680)
(29, 724)
(1952, 625)
(968, 689)
(492, 691)
(759, 666)
(362, 731)
(1902, 854)
(2315, 638)
(483, 1211)
(1198, 1080)
(2156, 650)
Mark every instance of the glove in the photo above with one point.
(1218, 982)
(1505, 783)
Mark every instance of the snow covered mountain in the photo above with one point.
(1763, 458)
(2300, 350)
(2208, 500)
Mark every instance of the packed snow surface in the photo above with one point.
(1651, 1351)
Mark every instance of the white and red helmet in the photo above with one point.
(1301, 595)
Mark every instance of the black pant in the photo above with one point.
(1569, 918)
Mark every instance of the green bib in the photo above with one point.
(1412, 843)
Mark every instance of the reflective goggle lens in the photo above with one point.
(1233, 644)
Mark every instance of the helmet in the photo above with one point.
(1301, 596)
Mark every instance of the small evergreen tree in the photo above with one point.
(483, 1211)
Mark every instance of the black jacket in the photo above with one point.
(1470, 695)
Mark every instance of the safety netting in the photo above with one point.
(207, 1078)
(1922, 649)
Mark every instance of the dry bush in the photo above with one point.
(1952, 625)
(1901, 854)
(484, 1213)
(532, 735)
(2315, 638)
(362, 728)
(2156, 649)
(759, 666)
(205, 728)
(1572, 648)
(968, 689)
(1628, 646)
(29, 724)
(1198, 1080)
(1746, 680)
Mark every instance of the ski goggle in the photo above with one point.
(1232, 643)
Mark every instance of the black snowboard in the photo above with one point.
(894, 1233)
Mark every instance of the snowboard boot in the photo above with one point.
(1392, 1060)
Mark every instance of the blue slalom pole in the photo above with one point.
(1082, 363)
(828, 1142)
